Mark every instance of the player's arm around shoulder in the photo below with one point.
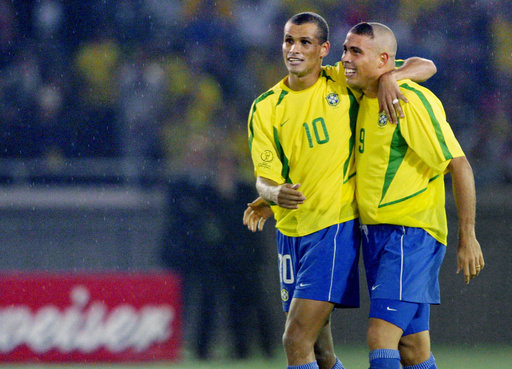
(469, 253)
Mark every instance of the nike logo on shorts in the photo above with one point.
(390, 309)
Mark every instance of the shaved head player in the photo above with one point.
(400, 194)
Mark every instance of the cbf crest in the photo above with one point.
(284, 295)
(383, 119)
(333, 99)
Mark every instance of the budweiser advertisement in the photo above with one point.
(90, 317)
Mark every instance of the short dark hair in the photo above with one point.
(363, 29)
(310, 17)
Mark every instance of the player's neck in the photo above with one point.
(371, 90)
(299, 83)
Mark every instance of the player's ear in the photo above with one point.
(383, 59)
(325, 48)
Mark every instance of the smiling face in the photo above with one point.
(303, 54)
(361, 61)
(369, 52)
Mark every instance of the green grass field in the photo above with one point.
(448, 357)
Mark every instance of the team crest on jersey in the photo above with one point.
(284, 295)
(333, 99)
(383, 119)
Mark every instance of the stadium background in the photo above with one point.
(104, 102)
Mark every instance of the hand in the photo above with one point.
(388, 95)
(469, 258)
(256, 214)
(287, 196)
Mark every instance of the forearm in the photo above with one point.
(267, 189)
(416, 69)
(464, 194)
(285, 195)
(469, 253)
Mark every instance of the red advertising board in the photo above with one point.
(90, 317)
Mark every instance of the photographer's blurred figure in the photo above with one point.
(219, 261)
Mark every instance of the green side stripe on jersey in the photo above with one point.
(353, 110)
(350, 176)
(397, 153)
(286, 167)
(281, 97)
(408, 197)
(251, 128)
(403, 199)
(437, 127)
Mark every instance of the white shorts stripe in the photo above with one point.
(333, 260)
(402, 261)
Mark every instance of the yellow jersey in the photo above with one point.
(307, 137)
(400, 168)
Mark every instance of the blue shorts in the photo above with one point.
(402, 263)
(411, 317)
(321, 266)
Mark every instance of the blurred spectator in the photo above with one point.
(206, 241)
(9, 26)
(165, 16)
(198, 109)
(174, 126)
(19, 86)
(52, 121)
(48, 18)
(143, 84)
(96, 64)
(48, 25)
(499, 107)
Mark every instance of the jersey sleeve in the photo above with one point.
(426, 129)
(264, 151)
(335, 72)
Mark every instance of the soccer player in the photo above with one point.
(401, 198)
(301, 136)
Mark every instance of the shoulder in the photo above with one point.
(336, 68)
(411, 88)
(423, 105)
(335, 73)
(271, 94)
(418, 94)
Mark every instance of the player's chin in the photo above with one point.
(296, 70)
(352, 82)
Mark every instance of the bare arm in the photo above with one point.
(416, 69)
(469, 254)
(285, 195)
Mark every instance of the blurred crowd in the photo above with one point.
(174, 79)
